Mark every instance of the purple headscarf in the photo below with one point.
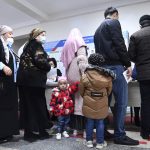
(71, 46)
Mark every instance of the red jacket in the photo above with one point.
(62, 100)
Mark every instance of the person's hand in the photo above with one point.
(67, 111)
(129, 72)
(7, 71)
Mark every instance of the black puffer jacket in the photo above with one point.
(109, 42)
(33, 65)
(139, 51)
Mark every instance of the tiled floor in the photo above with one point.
(69, 144)
(74, 143)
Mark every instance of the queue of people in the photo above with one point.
(82, 98)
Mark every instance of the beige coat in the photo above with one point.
(95, 88)
(76, 68)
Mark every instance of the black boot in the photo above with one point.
(30, 136)
(44, 135)
(6, 139)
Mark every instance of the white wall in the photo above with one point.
(57, 30)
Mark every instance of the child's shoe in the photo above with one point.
(58, 136)
(84, 135)
(100, 146)
(75, 132)
(89, 144)
(65, 134)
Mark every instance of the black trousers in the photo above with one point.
(145, 106)
(33, 110)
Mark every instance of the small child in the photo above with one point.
(62, 104)
(95, 87)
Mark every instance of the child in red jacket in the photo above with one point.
(62, 104)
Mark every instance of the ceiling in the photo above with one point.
(21, 13)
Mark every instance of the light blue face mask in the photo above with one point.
(43, 39)
(10, 42)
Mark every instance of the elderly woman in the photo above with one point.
(31, 78)
(74, 58)
(8, 89)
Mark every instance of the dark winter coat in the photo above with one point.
(139, 51)
(2, 57)
(109, 42)
(33, 65)
(8, 99)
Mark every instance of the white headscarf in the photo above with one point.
(4, 29)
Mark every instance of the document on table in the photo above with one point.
(126, 77)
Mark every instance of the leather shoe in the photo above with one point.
(126, 141)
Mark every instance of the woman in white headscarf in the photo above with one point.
(74, 58)
(8, 89)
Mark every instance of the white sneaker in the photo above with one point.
(75, 132)
(84, 135)
(89, 144)
(58, 136)
(100, 146)
(65, 134)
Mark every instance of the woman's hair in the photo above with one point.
(54, 61)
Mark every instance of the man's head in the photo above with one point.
(96, 59)
(144, 21)
(112, 13)
(62, 83)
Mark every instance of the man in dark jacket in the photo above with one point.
(109, 42)
(139, 52)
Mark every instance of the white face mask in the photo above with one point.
(42, 39)
(10, 42)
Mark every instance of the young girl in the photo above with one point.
(62, 105)
(95, 86)
(74, 59)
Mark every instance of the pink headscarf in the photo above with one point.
(72, 44)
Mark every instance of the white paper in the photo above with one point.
(126, 77)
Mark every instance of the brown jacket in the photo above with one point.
(95, 87)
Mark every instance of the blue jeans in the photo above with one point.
(63, 122)
(99, 124)
(120, 92)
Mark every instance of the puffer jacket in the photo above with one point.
(63, 100)
(139, 51)
(95, 86)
